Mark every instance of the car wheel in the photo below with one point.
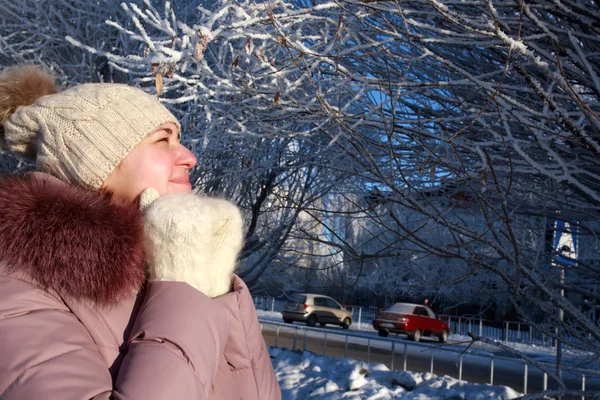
(383, 333)
(346, 324)
(312, 320)
(287, 321)
(416, 336)
(444, 336)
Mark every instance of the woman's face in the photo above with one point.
(159, 161)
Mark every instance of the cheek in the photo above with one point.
(155, 172)
(144, 169)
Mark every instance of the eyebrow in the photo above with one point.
(171, 132)
(168, 130)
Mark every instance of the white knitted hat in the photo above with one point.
(79, 135)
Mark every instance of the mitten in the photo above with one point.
(191, 239)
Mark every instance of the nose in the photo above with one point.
(185, 158)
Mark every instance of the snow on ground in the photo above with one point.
(538, 353)
(305, 375)
(547, 354)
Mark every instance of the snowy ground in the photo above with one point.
(573, 358)
(538, 353)
(304, 375)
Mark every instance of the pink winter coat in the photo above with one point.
(78, 320)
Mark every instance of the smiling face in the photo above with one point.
(158, 161)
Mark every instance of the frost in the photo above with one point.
(204, 32)
(378, 149)
(518, 45)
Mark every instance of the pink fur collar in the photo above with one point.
(83, 245)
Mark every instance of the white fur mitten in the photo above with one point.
(192, 239)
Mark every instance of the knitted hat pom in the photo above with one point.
(23, 86)
(80, 134)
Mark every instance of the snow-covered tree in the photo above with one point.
(474, 124)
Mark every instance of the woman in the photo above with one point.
(98, 300)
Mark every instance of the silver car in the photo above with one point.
(316, 308)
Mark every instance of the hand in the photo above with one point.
(191, 239)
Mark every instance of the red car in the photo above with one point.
(415, 320)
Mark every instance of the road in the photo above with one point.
(418, 359)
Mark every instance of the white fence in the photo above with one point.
(511, 331)
(399, 355)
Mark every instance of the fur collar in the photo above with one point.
(84, 245)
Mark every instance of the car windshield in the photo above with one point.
(431, 313)
(401, 308)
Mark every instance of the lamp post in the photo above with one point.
(561, 315)
(563, 251)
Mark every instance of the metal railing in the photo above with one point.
(511, 331)
(300, 332)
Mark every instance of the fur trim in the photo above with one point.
(83, 245)
(22, 86)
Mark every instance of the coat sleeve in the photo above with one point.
(47, 352)
(175, 345)
(245, 350)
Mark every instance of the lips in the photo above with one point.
(181, 181)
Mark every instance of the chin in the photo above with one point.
(180, 188)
